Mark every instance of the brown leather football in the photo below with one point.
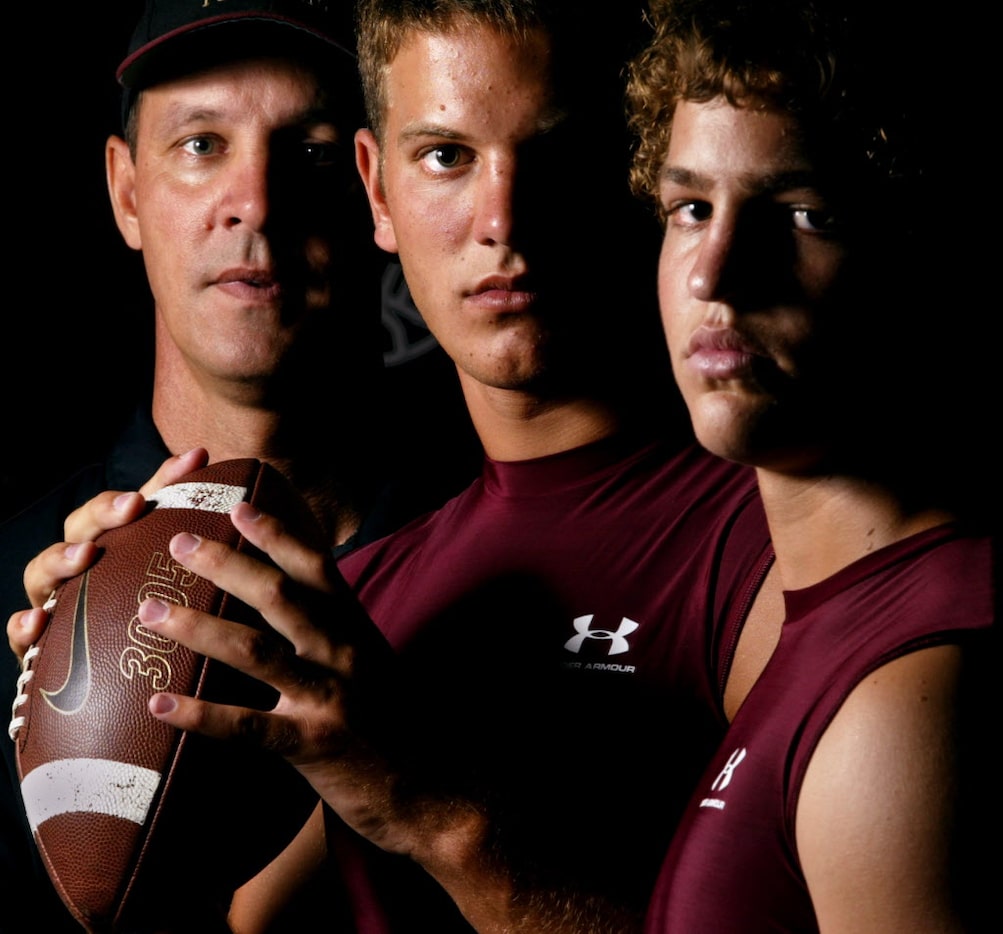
(114, 797)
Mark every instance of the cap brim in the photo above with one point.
(137, 69)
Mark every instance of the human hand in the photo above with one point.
(51, 568)
(331, 667)
(347, 720)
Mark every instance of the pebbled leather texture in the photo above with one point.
(111, 792)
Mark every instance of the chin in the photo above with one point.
(530, 382)
(516, 368)
(729, 424)
(727, 449)
(769, 442)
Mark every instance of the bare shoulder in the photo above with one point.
(881, 820)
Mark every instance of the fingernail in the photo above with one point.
(121, 501)
(152, 610)
(184, 543)
(247, 512)
(162, 703)
(72, 551)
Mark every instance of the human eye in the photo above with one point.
(319, 153)
(201, 145)
(683, 213)
(813, 220)
(810, 211)
(444, 157)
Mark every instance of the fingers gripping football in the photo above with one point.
(108, 510)
(24, 629)
(60, 562)
(318, 650)
(90, 755)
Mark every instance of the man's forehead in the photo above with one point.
(453, 67)
(742, 139)
(278, 66)
(275, 88)
(445, 49)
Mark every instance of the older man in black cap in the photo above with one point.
(235, 178)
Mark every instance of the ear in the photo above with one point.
(121, 176)
(367, 160)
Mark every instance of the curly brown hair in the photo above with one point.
(831, 62)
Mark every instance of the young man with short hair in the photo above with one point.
(789, 151)
(553, 623)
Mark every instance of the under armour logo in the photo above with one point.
(617, 640)
(725, 775)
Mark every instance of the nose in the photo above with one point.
(741, 258)
(494, 213)
(246, 192)
(714, 270)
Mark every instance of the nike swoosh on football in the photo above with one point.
(73, 694)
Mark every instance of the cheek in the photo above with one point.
(671, 298)
(167, 223)
(435, 218)
(823, 271)
(427, 243)
(173, 251)
(318, 252)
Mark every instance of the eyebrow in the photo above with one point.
(766, 183)
(181, 115)
(549, 124)
(429, 129)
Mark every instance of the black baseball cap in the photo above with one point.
(171, 33)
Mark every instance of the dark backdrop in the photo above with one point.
(78, 331)
(75, 289)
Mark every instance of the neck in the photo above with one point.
(514, 425)
(821, 524)
(228, 427)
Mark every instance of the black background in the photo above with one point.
(77, 345)
(78, 318)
